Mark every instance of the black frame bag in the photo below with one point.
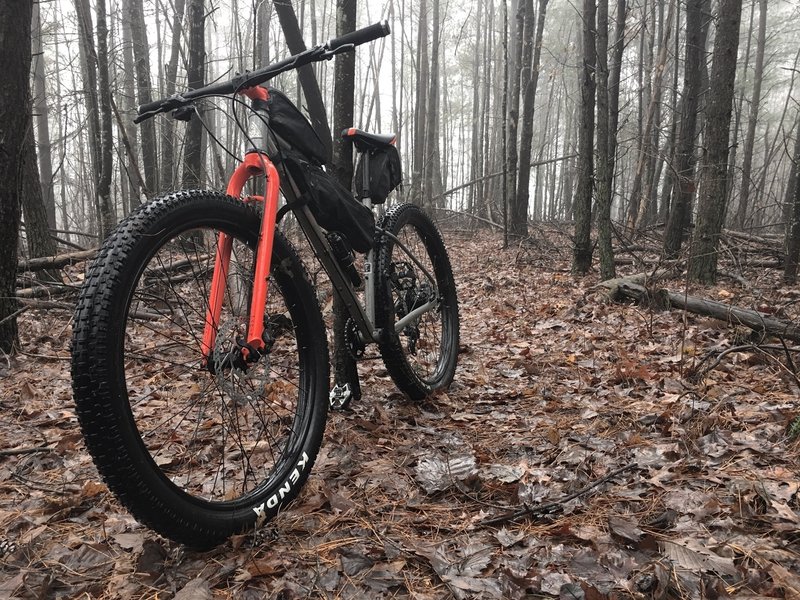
(384, 173)
(332, 205)
(286, 120)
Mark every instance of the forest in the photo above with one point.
(617, 186)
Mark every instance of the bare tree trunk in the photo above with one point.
(613, 90)
(421, 109)
(755, 103)
(37, 232)
(681, 211)
(88, 58)
(41, 111)
(107, 216)
(141, 55)
(738, 107)
(344, 364)
(669, 151)
(308, 81)
(15, 120)
(712, 196)
(515, 74)
(504, 113)
(432, 183)
(582, 258)
(793, 230)
(604, 178)
(131, 183)
(643, 183)
(519, 217)
(477, 151)
(168, 169)
(195, 75)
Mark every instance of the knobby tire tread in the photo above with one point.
(108, 435)
(391, 347)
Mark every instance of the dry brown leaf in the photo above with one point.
(696, 558)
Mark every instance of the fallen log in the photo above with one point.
(765, 324)
(54, 262)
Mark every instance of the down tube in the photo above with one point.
(254, 165)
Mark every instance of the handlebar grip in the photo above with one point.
(360, 36)
(150, 107)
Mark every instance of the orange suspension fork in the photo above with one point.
(255, 164)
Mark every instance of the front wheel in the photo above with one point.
(196, 445)
(416, 303)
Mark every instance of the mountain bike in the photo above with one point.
(199, 352)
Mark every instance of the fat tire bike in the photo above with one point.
(200, 364)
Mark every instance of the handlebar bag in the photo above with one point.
(286, 120)
(385, 173)
(332, 205)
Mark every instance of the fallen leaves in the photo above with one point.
(552, 393)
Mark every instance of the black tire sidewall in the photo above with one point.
(128, 467)
(391, 347)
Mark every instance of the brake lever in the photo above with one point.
(183, 113)
(329, 54)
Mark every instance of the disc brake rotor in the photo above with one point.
(243, 385)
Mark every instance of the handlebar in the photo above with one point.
(249, 79)
(359, 36)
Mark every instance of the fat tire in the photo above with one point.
(393, 352)
(99, 380)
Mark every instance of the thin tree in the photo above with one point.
(88, 59)
(752, 122)
(421, 107)
(582, 251)
(344, 364)
(515, 75)
(681, 209)
(308, 80)
(432, 181)
(41, 111)
(104, 206)
(141, 55)
(615, 70)
(34, 211)
(167, 171)
(519, 215)
(643, 182)
(604, 178)
(131, 187)
(712, 195)
(15, 120)
(793, 230)
(195, 76)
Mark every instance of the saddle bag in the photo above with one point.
(384, 173)
(294, 129)
(332, 205)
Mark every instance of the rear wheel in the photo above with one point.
(197, 448)
(416, 305)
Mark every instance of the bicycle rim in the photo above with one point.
(219, 431)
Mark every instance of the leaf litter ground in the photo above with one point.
(556, 389)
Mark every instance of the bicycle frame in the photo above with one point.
(257, 164)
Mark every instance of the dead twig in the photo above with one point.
(29, 450)
(544, 509)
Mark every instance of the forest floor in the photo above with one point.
(690, 480)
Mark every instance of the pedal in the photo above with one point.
(340, 396)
